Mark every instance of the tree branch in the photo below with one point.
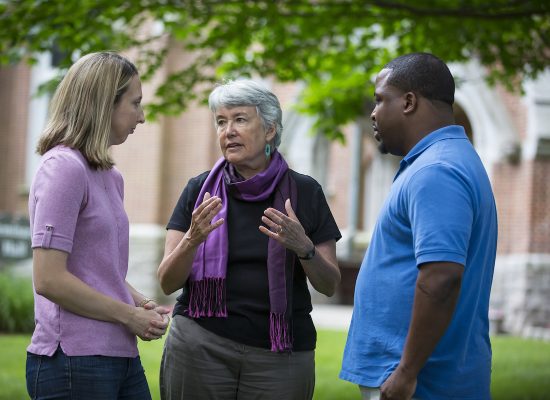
(492, 12)
(356, 9)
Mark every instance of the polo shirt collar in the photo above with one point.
(447, 132)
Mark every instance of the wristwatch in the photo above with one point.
(309, 255)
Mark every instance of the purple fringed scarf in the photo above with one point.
(207, 279)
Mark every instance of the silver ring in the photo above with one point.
(280, 230)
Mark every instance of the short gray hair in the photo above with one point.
(246, 92)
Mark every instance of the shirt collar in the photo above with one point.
(447, 132)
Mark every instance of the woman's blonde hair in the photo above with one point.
(82, 106)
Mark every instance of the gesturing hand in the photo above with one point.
(286, 229)
(201, 220)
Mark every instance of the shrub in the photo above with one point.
(16, 304)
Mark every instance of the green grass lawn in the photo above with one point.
(521, 368)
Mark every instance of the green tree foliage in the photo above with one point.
(334, 46)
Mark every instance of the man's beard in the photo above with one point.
(382, 148)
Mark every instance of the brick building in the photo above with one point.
(510, 132)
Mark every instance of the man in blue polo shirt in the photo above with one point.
(420, 324)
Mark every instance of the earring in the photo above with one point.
(267, 150)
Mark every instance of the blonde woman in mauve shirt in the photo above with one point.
(87, 315)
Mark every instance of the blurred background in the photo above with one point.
(320, 58)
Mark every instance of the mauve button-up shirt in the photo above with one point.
(80, 211)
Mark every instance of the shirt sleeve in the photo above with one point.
(59, 193)
(315, 215)
(441, 214)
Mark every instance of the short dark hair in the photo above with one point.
(422, 73)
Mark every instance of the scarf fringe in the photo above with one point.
(207, 298)
(279, 333)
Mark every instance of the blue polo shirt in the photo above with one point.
(440, 208)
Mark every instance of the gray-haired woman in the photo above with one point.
(242, 242)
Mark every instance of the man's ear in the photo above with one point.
(410, 102)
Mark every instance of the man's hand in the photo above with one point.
(398, 386)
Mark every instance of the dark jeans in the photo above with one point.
(85, 377)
